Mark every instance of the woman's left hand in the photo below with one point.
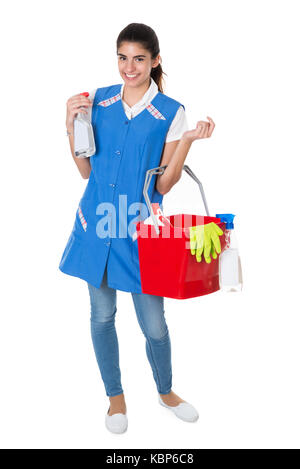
(203, 130)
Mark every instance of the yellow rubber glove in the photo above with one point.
(205, 239)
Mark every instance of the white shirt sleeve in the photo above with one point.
(178, 127)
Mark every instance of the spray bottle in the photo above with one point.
(230, 269)
(84, 143)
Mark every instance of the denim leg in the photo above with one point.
(150, 314)
(104, 335)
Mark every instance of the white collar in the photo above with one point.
(148, 96)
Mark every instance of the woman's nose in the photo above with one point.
(129, 67)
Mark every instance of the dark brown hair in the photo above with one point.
(144, 35)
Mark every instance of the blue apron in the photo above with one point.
(113, 198)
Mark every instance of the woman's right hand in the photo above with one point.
(73, 107)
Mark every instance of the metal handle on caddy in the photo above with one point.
(160, 170)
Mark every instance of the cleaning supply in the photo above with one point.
(84, 143)
(159, 216)
(204, 239)
(167, 267)
(230, 273)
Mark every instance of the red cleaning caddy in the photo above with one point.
(167, 266)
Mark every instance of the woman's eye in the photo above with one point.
(138, 58)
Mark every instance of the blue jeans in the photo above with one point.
(150, 315)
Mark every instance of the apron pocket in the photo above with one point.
(82, 218)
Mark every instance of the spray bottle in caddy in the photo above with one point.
(230, 269)
(84, 143)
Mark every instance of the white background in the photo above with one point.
(235, 356)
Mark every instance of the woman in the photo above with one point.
(136, 127)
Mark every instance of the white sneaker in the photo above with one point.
(116, 423)
(183, 411)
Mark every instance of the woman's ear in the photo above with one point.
(156, 61)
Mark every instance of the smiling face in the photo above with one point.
(135, 64)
